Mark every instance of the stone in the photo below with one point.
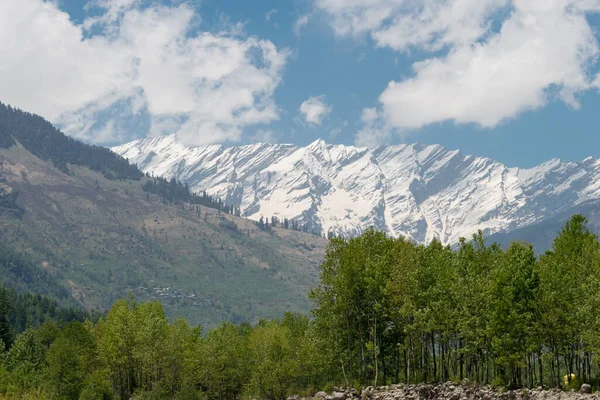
(338, 395)
(586, 388)
(320, 395)
(424, 392)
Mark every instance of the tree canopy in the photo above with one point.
(387, 310)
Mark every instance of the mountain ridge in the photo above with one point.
(415, 190)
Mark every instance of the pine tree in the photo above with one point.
(6, 334)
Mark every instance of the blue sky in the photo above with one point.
(513, 80)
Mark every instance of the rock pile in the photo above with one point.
(451, 391)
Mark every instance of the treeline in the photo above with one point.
(386, 311)
(134, 352)
(43, 140)
(173, 191)
(392, 310)
(267, 225)
(20, 311)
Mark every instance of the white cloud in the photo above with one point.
(270, 14)
(374, 132)
(315, 109)
(301, 22)
(206, 87)
(401, 24)
(482, 61)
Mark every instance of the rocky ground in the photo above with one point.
(451, 391)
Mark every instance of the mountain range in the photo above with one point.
(418, 191)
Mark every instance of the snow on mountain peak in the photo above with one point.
(415, 190)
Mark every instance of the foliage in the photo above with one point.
(20, 271)
(387, 310)
(25, 310)
(398, 311)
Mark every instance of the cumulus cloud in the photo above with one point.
(482, 61)
(402, 24)
(92, 79)
(315, 109)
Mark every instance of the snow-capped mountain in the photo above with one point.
(418, 191)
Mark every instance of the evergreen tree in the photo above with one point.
(6, 334)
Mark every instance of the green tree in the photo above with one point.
(117, 345)
(6, 334)
(351, 304)
(70, 359)
(513, 286)
(223, 362)
(569, 283)
(274, 363)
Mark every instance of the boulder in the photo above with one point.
(586, 388)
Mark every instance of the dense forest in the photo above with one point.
(20, 311)
(21, 272)
(386, 311)
(48, 143)
(173, 191)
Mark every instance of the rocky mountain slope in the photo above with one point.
(418, 191)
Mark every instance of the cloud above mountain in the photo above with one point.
(315, 109)
(95, 77)
(480, 61)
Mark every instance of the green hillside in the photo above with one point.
(101, 237)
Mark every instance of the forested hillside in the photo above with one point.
(43, 140)
(21, 272)
(21, 311)
(69, 229)
(386, 311)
